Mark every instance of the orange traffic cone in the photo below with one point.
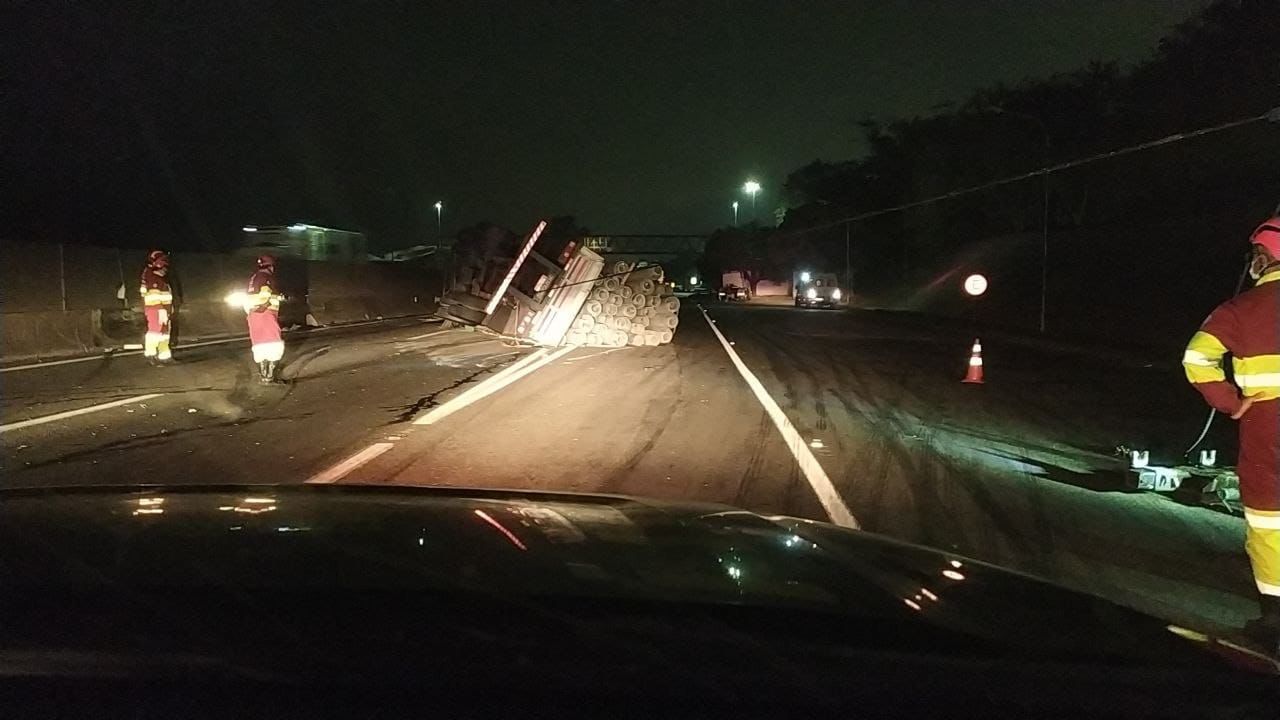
(975, 364)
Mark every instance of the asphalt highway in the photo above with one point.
(857, 417)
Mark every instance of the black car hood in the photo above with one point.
(537, 545)
(308, 577)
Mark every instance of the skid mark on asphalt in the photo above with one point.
(136, 441)
(300, 363)
(504, 377)
(755, 460)
(431, 400)
(657, 415)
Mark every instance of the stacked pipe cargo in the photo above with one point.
(630, 305)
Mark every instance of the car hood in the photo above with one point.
(115, 543)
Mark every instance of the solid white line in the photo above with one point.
(426, 335)
(813, 472)
(337, 472)
(80, 411)
(523, 367)
(237, 338)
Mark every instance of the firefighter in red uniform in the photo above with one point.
(157, 305)
(1248, 327)
(262, 306)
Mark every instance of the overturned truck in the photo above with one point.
(551, 289)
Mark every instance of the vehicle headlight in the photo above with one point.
(835, 294)
(811, 294)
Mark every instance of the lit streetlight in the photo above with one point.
(751, 187)
(735, 213)
(439, 214)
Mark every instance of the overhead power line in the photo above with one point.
(1272, 115)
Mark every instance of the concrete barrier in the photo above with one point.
(48, 333)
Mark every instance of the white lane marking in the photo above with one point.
(813, 472)
(337, 472)
(238, 338)
(492, 385)
(79, 411)
(426, 335)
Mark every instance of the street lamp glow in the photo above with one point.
(693, 280)
(439, 205)
(805, 276)
(751, 187)
(735, 213)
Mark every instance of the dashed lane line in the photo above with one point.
(344, 468)
(809, 466)
(519, 369)
(79, 411)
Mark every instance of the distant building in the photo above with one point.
(307, 242)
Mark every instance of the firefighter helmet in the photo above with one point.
(1268, 236)
(266, 261)
(158, 259)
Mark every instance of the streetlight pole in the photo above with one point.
(1044, 209)
(1044, 239)
(439, 216)
(848, 272)
(735, 213)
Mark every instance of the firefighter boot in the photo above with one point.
(264, 374)
(1266, 629)
(273, 372)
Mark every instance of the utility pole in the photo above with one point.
(848, 272)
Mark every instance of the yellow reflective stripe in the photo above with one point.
(1258, 373)
(1197, 374)
(1269, 277)
(1203, 358)
(1262, 545)
(1253, 364)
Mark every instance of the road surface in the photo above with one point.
(1020, 471)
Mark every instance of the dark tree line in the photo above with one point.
(1184, 203)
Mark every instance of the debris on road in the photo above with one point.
(630, 306)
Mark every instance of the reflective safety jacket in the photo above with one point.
(155, 289)
(1248, 327)
(262, 295)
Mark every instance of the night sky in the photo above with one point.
(180, 122)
